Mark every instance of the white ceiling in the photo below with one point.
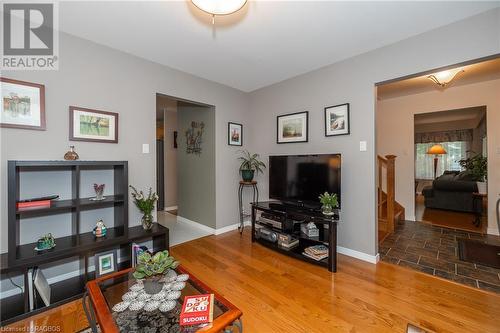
(267, 42)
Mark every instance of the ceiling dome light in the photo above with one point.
(444, 78)
(219, 7)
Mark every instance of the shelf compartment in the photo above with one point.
(56, 207)
(296, 252)
(109, 201)
(68, 246)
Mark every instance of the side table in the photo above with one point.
(244, 184)
(477, 203)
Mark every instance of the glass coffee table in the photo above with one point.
(103, 293)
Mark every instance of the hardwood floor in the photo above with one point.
(449, 219)
(280, 294)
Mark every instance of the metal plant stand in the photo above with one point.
(244, 184)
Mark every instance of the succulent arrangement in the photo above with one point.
(152, 265)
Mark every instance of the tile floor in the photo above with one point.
(434, 250)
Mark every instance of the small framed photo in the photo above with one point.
(292, 127)
(105, 263)
(92, 125)
(234, 134)
(337, 120)
(22, 105)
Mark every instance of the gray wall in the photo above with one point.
(196, 182)
(171, 154)
(95, 76)
(352, 81)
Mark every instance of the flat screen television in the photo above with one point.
(300, 179)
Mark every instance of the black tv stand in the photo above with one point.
(291, 217)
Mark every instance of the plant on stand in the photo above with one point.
(146, 204)
(250, 164)
(478, 167)
(329, 203)
(153, 268)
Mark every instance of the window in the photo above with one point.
(424, 164)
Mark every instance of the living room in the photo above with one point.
(249, 67)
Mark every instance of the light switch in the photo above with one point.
(362, 146)
(145, 148)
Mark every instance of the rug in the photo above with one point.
(479, 252)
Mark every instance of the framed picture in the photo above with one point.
(337, 120)
(292, 127)
(23, 104)
(92, 125)
(234, 134)
(105, 263)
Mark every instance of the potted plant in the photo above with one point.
(153, 268)
(478, 167)
(146, 204)
(250, 164)
(329, 202)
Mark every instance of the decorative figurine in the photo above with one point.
(99, 191)
(45, 242)
(100, 229)
(71, 155)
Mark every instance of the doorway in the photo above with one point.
(450, 160)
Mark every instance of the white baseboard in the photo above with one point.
(231, 227)
(210, 230)
(373, 259)
(196, 224)
(170, 208)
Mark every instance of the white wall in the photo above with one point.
(353, 81)
(95, 76)
(395, 135)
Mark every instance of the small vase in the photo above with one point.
(71, 155)
(327, 210)
(147, 221)
(152, 285)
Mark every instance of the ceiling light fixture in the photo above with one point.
(444, 78)
(219, 7)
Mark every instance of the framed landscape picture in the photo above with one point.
(292, 127)
(105, 263)
(337, 120)
(92, 125)
(234, 134)
(23, 104)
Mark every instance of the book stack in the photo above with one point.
(316, 252)
(287, 242)
(197, 309)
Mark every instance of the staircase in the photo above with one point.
(390, 212)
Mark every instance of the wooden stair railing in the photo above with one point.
(387, 201)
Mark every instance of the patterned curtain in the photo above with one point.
(444, 136)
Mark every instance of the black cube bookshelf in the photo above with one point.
(80, 244)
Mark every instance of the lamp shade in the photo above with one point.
(219, 7)
(445, 77)
(436, 150)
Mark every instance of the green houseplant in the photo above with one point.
(146, 204)
(151, 268)
(250, 164)
(329, 202)
(478, 167)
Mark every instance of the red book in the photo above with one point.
(32, 204)
(197, 309)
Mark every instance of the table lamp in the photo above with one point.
(436, 150)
